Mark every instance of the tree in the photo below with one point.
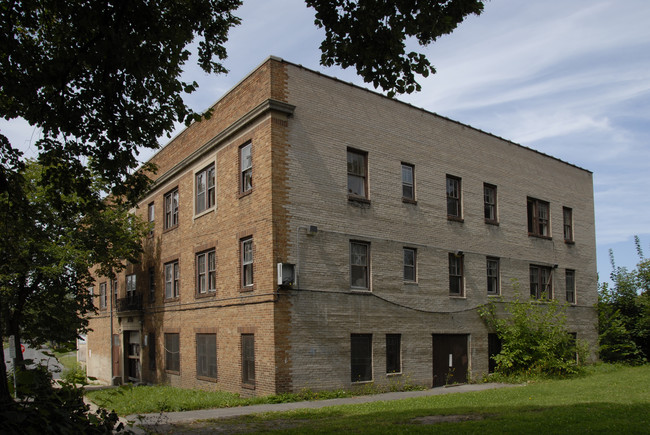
(624, 312)
(371, 35)
(533, 335)
(47, 253)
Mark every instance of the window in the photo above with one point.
(357, 173)
(151, 215)
(361, 357)
(248, 359)
(494, 348)
(172, 352)
(410, 259)
(570, 278)
(171, 209)
(206, 272)
(453, 198)
(206, 355)
(538, 218)
(130, 286)
(245, 168)
(152, 350)
(490, 203)
(408, 182)
(204, 184)
(152, 284)
(456, 274)
(172, 276)
(247, 262)
(541, 282)
(359, 267)
(393, 353)
(114, 285)
(568, 224)
(102, 296)
(493, 276)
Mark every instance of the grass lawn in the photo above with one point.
(609, 399)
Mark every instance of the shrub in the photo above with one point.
(76, 374)
(534, 338)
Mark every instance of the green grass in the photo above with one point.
(609, 399)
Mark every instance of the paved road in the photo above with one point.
(38, 356)
(167, 418)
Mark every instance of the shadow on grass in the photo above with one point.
(581, 418)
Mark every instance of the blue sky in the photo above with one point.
(567, 78)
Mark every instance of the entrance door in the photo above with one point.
(132, 341)
(116, 355)
(450, 361)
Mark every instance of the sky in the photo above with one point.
(569, 78)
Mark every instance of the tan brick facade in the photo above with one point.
(300, 125)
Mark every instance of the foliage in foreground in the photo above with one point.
(608, 399)
(42, 408)
(129, 399)
(624, 312)
(534, 338)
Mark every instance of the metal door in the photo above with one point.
(450, 361)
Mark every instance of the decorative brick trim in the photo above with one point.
(246, 329)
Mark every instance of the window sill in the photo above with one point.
(248, 386)
(411, 283)
(204, 212)
(241, 194)
(370, 381)
(166, 230)
(493, 295)
(359, 290)
(409, 201)
(208, 294)
(457, 297)
(570, 242)
(491, 222)
(173, 372)
(455, 219)
(537, 236)
(174, 299)
(206, 378)
(248, 288)
(390, 375)
(358, 199)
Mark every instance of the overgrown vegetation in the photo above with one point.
(534, 338)
(608, 399)
(40, 408)
(129, 399)
(624, 312)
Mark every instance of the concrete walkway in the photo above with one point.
(204, 414)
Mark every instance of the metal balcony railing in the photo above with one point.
(133, 302)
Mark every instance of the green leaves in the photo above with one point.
(371, 35)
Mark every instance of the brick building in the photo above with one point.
(393, 224)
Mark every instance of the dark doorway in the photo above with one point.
(494, 348)
(450, 361)
(116, 355)
(132, 344)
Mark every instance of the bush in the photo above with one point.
(534, 338)
(76, 374)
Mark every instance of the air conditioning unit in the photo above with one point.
(286, 275)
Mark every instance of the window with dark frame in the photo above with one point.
(541, 282)
(492, 276)
(205, 189)
(151, 216)
(130, 286)
(408, 182)
(454, 207)
(102, 296)
(359, 265)
(570, 279)
(172, 352)
(206, 355)
(539, 218)
(171, 209)
(410, 262)
(494, 349)
(172, 277)
(247, 262)
(245, 168)
(567, 214)
(393, 353)
(357, 173)
(206, 272)
(152, 284)
(490, 203)
(456, 287)
(152, 351)
(361, 357)
(248, 359)
(115, 289)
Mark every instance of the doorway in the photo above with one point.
(132, 342)
(450, 361)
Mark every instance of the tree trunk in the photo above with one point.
(5, 395)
